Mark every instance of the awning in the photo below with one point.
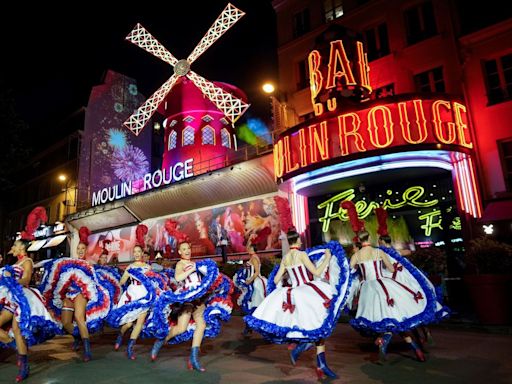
(36, 245)
(497, 210)
(110, 215)
(54, 241)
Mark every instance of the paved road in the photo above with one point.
(460, 356)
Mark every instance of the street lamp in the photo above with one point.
(268, 88)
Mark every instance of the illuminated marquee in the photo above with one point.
(177, 172)
(394, 125)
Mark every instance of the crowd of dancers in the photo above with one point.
(298, 305)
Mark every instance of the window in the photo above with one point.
(385, 91)
(420, 22)
(377, 42)
(332, 9)
(505, 148)
(225, 138)
(301, 23)
(208, 135)
(302, 75)
(171, 142)
(498, 76)
(207, 118)
(430, 81)
(188, 136)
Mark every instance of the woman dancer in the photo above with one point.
(385, 305)
(305, 309)
(134, 304)
(194, 309)
(251, 283)
(24, 307)
(109, 278)
(75, 296)
(408, 275)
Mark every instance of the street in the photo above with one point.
(458, 356)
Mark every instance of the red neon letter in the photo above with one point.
(338, 55)
(461, 125)
(373, 126)
(318, 143)
(344, 133)
(438, 123)
(278, 159)
(302, 147)
(364, 68)
(288, 156)
(421, 122)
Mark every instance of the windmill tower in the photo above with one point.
(198, 114)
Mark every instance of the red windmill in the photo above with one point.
(230, 105)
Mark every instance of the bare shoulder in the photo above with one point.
(30, 261)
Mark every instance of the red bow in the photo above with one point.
(398, 268)
(288, 307)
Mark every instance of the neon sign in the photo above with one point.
(432, 220)
(456, 223)
(411, 197)
(177, 172)
(431, 122)
(340, 74)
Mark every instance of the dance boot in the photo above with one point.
(247, 331)
(76, 343)
(24, 369)
(417, 351)
(430, 339)
(382, 342)
(129, 349)
(193, 361)
(322, 369)
(156, 348)
(297, 351)
(119, 342)
(87, 350)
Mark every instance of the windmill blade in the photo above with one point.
(229, 16)
(145, 40)
(232, 107)
(140, 117)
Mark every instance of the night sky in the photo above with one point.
(51, 62)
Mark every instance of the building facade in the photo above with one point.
(416, 51)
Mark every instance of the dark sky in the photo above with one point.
(53, 56)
